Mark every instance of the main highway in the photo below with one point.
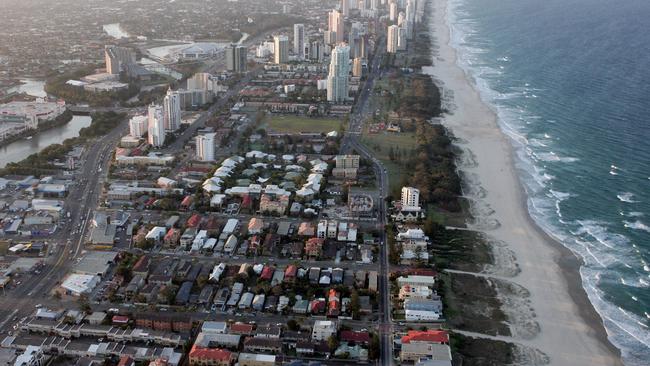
(66, 245)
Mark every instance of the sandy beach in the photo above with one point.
(557, 317)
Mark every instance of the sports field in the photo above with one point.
(302, 124)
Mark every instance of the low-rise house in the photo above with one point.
(290, 273)
(323, 329)
(246, 300)
(357, 337)
(255, 226)
(372, 280)
(213, 327)
(256, 359)
(205, 297)
(268, 345)
(218, 340)
(300, 307)
(416, 280)
(241, 328)
(211, 357)
(305, 348)
(314, 247)
(422, 309)
(415, 292)
(306, 229)
(268, 331)
(258, 302)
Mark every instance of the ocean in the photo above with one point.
(570, 83)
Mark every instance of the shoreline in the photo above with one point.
(40, 129)
(572, 331)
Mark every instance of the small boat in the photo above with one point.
(28, 137)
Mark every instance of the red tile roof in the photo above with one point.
(290, 271)
(194, 220)
(120, 319)
(241, 328)
(357, 337)
(267, 273)
(429, 336)
(187, 201)
(125, 361)
(210, 353)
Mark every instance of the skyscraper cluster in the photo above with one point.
(399, 34)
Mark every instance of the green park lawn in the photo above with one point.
(285, 124)
(380, 145)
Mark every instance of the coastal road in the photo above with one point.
(351, 142)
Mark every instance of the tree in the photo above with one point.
(169, 293)
(293, 325)
(202, 280)
(355, 306)
(373, 347)
(84, 304)
(333, 342)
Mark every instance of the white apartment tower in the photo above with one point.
(345, 7)
(392, 14)
(280, 49)
(401, 19)
(335, 24)
(299, 40)
(410, 199)
(205, 145)
(401, 38)
(172, 110)
(392, 39)
(155, 126)
(337, 79)
(138, 126)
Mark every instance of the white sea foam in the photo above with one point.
(562, 196)
(636, 225)
(553, 157)
(536, 143)
(626, 197)
(600, 248)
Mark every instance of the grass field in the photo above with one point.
(301, 124)
(380, 145)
